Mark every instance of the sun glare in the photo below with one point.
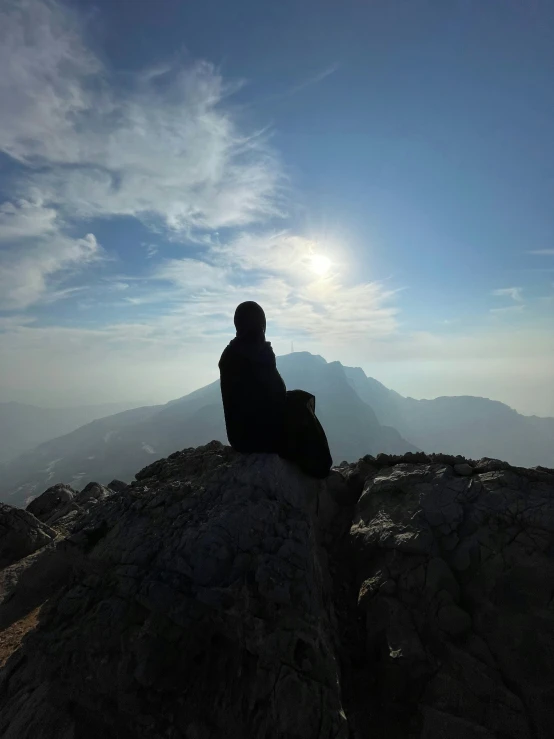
(320, 264)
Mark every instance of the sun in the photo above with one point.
(320, 264)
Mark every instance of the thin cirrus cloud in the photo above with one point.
(277, 269)
(515, 293)
(164, 147)
(279, 253)
(37, 255)
(25, 219)
(35, 277)
(161, 144)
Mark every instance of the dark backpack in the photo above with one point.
(305, 442)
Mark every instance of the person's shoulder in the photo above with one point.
(227, 354)
(268, 348)
(269, 354)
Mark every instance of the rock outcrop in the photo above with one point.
(200, 607)
(62, 506)
(118, 486)
(455, 569)
(51, 501)
(21, 534)
(222, 595)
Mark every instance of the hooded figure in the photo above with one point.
(253, 391)
(260, 415)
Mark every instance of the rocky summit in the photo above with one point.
(221, 595)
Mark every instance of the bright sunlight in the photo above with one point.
(320, 264)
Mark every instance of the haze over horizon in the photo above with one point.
(378, 176)
(110, 409)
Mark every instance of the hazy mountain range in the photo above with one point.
(360, 416)
(23, 426)
(471, 426)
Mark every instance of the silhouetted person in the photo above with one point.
(260, 415)
(253, 391)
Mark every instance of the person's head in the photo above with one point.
(250, 321)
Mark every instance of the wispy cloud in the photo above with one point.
(118, 285)
(278, 253)
(509, 309)
(164, 148)
(33, 274)
(515, 293)
(164, 145)
(309, 81)
(43, 86)
(274, 268)
(15, 321)
(151, 250)
(24, 219)
(315, 79)
(37, 255)
(542, 252)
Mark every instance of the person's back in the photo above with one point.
(253, 392)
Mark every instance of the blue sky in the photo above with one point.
(380, 176)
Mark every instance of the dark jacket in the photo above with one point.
(254, 396)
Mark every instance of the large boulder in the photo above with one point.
(118, 486)
(93, 493)
(62, 507)
(454, 579)
(56, 497)
(199, 608)
(21, 534)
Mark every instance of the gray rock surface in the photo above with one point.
(464, 469)
(51, 500)
(117, 486)
(93, 493)
(229, 596)
(200, 607)
(62, 507)
(21, 534)
(463, 638)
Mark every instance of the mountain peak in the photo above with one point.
(301, 357)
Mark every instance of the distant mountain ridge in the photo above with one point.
(360, 416)
(471, 426)
(24, 426)
(116, 446)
